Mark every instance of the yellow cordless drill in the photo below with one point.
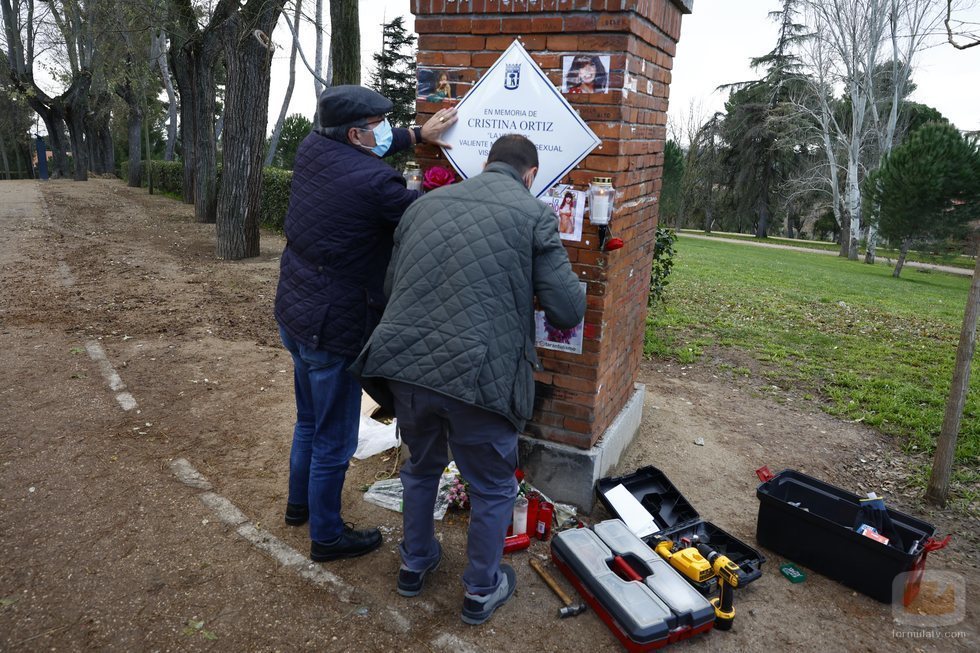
(688, 561)
(727, 573)
(700, 563)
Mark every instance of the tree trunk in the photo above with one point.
(248, 63)
(274, 140)
(869, 254)
(98, 135)
(942, 465)
(3, 157)
(159, 46)
(205, 145)
(318, 64)
(54, 123)
(76, 107)
(134, 129)
(181, 69)
(902, 253)
(345, 42)
(853, 233)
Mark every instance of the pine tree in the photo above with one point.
(928, 187)
(756, 128)
(394, 72)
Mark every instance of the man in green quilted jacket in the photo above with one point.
(456, 348)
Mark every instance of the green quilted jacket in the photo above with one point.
(468, 260)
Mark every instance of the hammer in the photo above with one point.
(570, 609)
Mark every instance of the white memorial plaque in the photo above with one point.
(516, 97)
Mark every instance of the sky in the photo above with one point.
(717, 42)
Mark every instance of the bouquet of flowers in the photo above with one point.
(459, 493)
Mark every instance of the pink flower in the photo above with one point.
(437, 176)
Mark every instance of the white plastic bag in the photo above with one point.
(373, 437)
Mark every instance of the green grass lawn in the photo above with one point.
(869, 346)
(883, 253)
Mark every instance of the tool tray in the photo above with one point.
(637, 594)
(811, 523)
(676, 519)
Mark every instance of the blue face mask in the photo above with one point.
(382, 137)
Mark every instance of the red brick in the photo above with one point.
(456, 58)
(581, 23)
(564, 42)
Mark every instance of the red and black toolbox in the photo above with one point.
(812, 523)
(677, 519)
(637, 594)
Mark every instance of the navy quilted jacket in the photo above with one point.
(343, 207)
(467, 263)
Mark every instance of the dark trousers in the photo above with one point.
(485, 448)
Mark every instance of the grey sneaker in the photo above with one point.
(477, 609)
(410, 582)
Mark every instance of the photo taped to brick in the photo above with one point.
(440, 85)
(585, 73)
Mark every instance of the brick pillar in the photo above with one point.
(580, 395)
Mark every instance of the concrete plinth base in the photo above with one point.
(568, 474)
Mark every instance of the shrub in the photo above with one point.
(663, 263)
(168, 176)
(275, 197)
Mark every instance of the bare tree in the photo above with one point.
(820, 105)
(961, 29)
(158, 54)
(853, 31)
(318, 64)
(942, 466)
(274, 140)
(910, 24)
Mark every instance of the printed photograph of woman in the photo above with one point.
(437, 86)
(586, 73)
(566, 214)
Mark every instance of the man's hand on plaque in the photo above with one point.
(435, 126)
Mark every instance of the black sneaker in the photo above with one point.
(410, 582)
(477, 609)
(297, 514)
(350, 544)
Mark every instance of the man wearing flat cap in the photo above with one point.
(343, 208)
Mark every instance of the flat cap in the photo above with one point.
(341, 105)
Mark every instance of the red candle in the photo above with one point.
(545, 513)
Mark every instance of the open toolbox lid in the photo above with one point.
(676, 518)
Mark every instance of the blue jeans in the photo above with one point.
(485, 447)
(328, 402)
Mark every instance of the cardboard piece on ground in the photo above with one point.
(368, 405)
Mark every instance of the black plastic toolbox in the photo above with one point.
(676, 519)
(812, 523)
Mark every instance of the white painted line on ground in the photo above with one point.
(454, 644)
(97, 353)
(292, 559)
(278, 550)
(187, 475)
(225, 509)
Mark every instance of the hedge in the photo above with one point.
(168, 176)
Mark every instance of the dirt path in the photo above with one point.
(883, 260)
(103, 547)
